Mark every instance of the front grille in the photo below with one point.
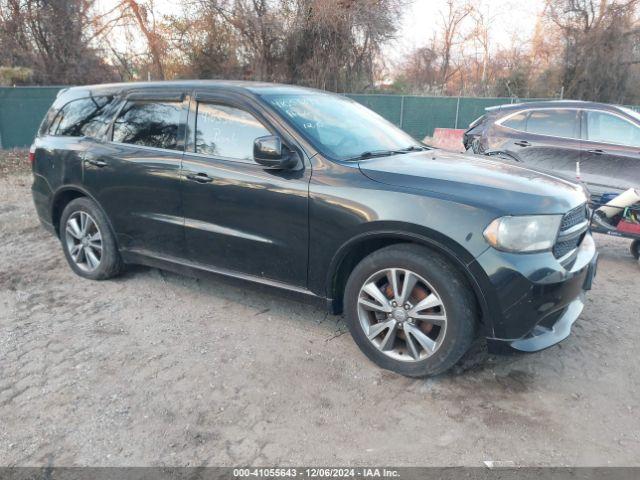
(574, 217)
(570, 235)
(562, 248)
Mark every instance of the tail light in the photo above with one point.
(32, 154)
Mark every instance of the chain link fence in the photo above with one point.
(22, 109)
(419, 116)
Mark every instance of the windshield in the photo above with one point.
(339, 127)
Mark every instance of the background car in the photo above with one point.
(557, 135)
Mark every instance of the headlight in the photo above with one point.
(531, 233)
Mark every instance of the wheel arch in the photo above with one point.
(65, 195)
(357, 248)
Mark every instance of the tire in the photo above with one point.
(436, 278)
(71, 236)
(635, 249)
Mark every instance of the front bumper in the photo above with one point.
(533, 299)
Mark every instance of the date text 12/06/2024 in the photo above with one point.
(315, 472)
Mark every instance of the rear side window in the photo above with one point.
(83, 117)
(225, 131)
(555, 123)
(517, 121)
(605, 128)
(149, 123)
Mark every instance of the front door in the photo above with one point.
(241, 216)
(134, 173)
(546, 138)
(610, 153)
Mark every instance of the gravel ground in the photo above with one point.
(159, 369)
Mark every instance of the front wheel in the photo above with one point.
(635, 249)
(410, 311)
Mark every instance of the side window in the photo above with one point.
(606, 128)
(555, 123)
(85, 116)
(224, 131)
(517, 121)
(149, 123)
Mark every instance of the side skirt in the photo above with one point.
(192, 269)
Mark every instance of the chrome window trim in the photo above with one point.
(220, 158)
(504, 119)
(146, 147)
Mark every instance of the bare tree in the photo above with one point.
(144, 17)
(204, 43)
(599, 46)
(335, 44)
(483, 22)
(52, 38)
(452, 18)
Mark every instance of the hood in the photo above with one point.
(505, 187)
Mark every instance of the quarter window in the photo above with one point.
(149, 123)
(517, 121)
(555, 123)
(606, 128)
(225, 131)
(83, 117)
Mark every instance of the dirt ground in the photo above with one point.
(159, 369)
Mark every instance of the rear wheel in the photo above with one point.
(410, 311)
(635, 249)
(88, 243)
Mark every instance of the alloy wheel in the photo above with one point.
(402, 315)
(84, 241)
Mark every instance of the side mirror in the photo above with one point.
(270, 152)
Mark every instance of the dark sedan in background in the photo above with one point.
(558, 135)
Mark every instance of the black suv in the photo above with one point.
(596, 142)
(315, 194)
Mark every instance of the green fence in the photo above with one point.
(419, 116)
(22, 109)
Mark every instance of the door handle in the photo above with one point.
(200, 177)
(95, 162)
(523, 143)
(596, 151)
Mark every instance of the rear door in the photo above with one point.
(547, 138)
(134, 172)
(239, 215)
(611, 152)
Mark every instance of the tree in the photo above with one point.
(335, 44)
(53, 39)
(452, 18)
(144, 19)
(600, 39)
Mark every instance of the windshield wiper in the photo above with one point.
(373, 153)
(414, 148)
(386, 153)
